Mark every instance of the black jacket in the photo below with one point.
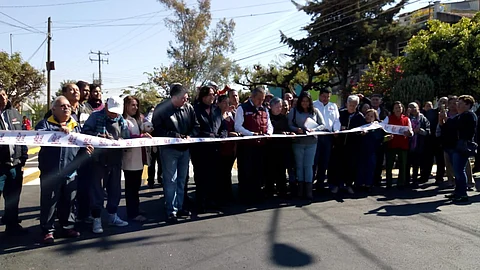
(59, 161)
(20, 153)
(383, 112)
(210, 124)
(169, 121)
(350, 121)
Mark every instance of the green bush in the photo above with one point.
(411, 88)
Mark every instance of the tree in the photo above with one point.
(449, 55)
(344, 36)
(197, 55)
(380, 78)
(19, 79)
(279, 76)
(148, 94)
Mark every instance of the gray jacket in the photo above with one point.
(297, 120)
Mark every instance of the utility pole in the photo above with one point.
(100, 60)
(11, 45)
(50, 64)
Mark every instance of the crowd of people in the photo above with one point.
(74, 182)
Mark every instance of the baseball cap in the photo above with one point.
(115, 105)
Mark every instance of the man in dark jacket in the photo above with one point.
(175, 118)
(12, 159)
(421, 129)
(80, 112)
(433, 145)
(345, 154)
(58, 169)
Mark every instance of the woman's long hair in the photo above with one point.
(126, 101)
(203, 92)
(299, 107)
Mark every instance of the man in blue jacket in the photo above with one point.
(58, 170)
(12, 159)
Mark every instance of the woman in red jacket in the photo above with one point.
(398, 145)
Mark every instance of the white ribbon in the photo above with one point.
(60, 139)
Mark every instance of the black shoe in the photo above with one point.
(450, 196)
(469, 188)
(172, 219)
(15, 230)
(183, 213)
(151, 185)
(460, 199)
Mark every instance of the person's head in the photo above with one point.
(452, 103)
(465, 103)
(285, 107)
(376, 100)
(71, 92)
(178, 94)
(61, 109)
(364, 108)
(131, 107)
(371, 115)
(24, 117)
(268, 98)
(114, 107)
(325, 95)
(258, 96)
(352, 103)
(413, 108)
(223, 103)
(419, 102)
(398, 108)
(428, 106)
(294, 102)
(206, 95)
(289, 98)
(213, 85)
(84, 90)
(305, 102)
(276, 106)
(95, 92)
(443, 101)
(233, 97)
(3, 99)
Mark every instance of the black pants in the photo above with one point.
(343, 166)
(251, 171)
(155, 159)
(433, 150)
(276, 162)
(57, 195)
(13, 178)
(380, 157)
(414, 160)
(133, 181)
(225, 193)
(83, 190)
(203, 157)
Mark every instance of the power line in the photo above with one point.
(36, 51)
(57, 4)
(253, 15)
(24, 24)
(19, 27)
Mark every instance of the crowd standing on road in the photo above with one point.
(74, 182)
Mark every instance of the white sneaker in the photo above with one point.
(97, 225)
(116, 221)
(350, 190)
(335, 190)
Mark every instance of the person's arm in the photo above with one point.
(425, 130)
(466, 127)
(385, 121)
(269, 125)
(195, 131)
(319, 120)
(239, 123)
(336, 120)
(89, 127)
(291, 125)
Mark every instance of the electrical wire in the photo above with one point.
(22, 23)
(36, 51)
(57, 4)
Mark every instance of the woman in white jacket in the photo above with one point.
(133, 159)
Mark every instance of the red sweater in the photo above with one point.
(398, 141)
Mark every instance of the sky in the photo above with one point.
(135, 36)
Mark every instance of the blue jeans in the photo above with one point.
(304, 158)
(322, 156)
(175, 170)
(459, 164)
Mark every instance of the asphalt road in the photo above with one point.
(399, 230)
